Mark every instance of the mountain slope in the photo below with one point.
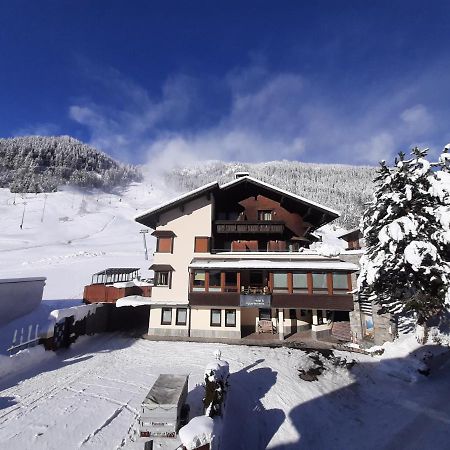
(41, 164)
(341, 187)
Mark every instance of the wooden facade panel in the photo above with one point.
(201, 244)
(214, 298)
(96, 293)
(315, 301)
(164, 245)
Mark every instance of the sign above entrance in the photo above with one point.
(255, 301)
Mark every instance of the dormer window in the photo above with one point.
(163, 274)
(265, 214)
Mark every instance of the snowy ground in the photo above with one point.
(88, 397)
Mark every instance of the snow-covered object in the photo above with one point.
(418, 251)
(78, 312)
(328, 250)
(199, 431)
(217, 371)
(134, 300)
(407, 232)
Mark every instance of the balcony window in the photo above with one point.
(230, 317)
(181, 318)
(320, 284)
(214, 281)
(166, 316)
(300, 283)
(280, 282)
(231, 282)
(199, 281)
(216, 318)
(340, 283)
(265, 215)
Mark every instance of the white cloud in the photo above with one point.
(269, 116)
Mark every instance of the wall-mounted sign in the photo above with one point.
(255, 301)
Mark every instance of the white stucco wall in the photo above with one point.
(19, 296)
(195, 220)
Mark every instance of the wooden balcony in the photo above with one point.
(249, 227)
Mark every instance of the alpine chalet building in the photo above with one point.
(233, 259)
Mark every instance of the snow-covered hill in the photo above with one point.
(68, 235)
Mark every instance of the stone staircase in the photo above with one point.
(341, 331)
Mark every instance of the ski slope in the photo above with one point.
(69, 235)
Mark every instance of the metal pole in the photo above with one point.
(43, 209)
(23, 214)
(144, 232)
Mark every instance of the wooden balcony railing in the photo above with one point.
(248, 227)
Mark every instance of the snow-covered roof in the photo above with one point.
(307, 264)
(22, 280)
(181, 198)
(147, 217)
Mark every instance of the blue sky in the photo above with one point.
(175, 81)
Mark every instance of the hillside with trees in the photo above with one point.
(341, 187)
(41, 164)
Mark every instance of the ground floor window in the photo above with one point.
(230, 317)
(166, 316)
(181, 318)
(216, 318)
(265, 314)
(292, 314)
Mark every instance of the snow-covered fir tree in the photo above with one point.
(406, 227)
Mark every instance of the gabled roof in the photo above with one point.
(150, 217)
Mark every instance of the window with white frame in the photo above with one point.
(181, 318)
(230, 317)
(216, 318)
(166, 316)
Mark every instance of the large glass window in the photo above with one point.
(199, 280)
(320, 282)
(230, 317)
(300, 283)
(166, 316)
(216, 318)
(280, 282)
(214, 281)
(340, 283)
(231, 281)
(181, 318)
